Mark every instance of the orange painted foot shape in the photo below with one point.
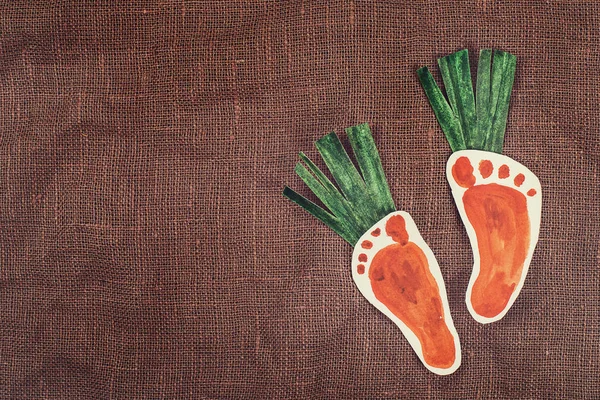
(397, 272)
(500, 202)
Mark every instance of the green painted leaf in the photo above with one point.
(322, 215)
(329, 195)
(369, 162)
(448, 121)
(483, 95)
(503, 76)
(456, 74)
(481, 119)
(361, 200)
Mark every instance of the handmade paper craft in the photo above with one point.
(499, 200)
(392, 265)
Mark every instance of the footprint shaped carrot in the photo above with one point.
(392, 265)
(499, 199)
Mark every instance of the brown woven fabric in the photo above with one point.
(146, 251)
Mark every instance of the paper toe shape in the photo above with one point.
(500, 203)
(397, 272)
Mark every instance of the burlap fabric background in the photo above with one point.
(146, 251)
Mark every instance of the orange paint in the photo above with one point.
(395, 228)
(401, 280)
(503, 172)
(531, 192)
(360, 269)
(376, 232)
(462, 171)
(486, 168)
(500, 220)
(519, 179)
(362, 257)
(366, 244)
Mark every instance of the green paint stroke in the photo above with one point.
(472, 121)
(456, 74)
(442, 110)
(363, 198)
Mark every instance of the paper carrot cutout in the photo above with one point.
(392, 265)
(499, 200)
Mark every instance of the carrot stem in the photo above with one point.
(456, 74)
(319, 213)
(361, 200)
(442, 110)
(472, 122)
(369, 162)
(503, 77)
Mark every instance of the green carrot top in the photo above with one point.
(361, 200)
(472, 121)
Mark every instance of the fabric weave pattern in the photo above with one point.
(146, 251)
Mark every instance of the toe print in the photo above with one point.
(501, 212)
(399, 275)
(462, 172)
(519, 179)
(366, 244)
(486, 168)
(503, 171)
